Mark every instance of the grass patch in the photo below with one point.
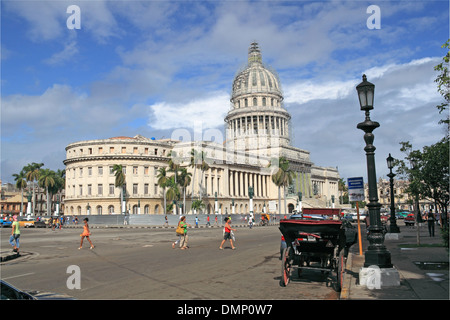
(422, 245)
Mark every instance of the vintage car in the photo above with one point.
(410, 220)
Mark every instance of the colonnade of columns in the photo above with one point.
(259, 124)
(239, 181)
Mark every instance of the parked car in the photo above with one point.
(410, 220)
(402, 214)
(5, 222)
(9, 292)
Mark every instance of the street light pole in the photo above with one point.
(377, 254)
(393, 228)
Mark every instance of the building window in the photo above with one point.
(124, 149)
(89, 171)
(135, 170)
(146, 171)
(100, 150)
(100, 171)
(155, 189)
(135, 188)
(111, 149)
(89, 189)
(81, 189)
(146, 150)
(81, 172)
(146, 188)
(135, 150)
(100, 189)
(111, 172)
(111, 189)
(89, 150)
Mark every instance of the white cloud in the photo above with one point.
(210, 110)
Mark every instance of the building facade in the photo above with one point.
(258, 133)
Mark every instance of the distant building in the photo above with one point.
(258, 130)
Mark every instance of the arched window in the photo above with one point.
(99, 209)
(255, 102)
(147, 209)
(245, 102)
(264, 102)
(110, 209)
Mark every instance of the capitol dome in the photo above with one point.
(256, 79)
(257, 119)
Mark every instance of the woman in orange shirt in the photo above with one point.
(227, 234)
(86, 233)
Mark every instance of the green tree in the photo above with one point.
(428, 174)
(184, 181)
(32, 175)
(47, 181)
(162, 183)
(173, 193)
(443, 82)
(119, 182)
(197, 205)
(21, 183)
(282, 177)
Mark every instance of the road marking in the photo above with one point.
(147, 245)
(19, 275)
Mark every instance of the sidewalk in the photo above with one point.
(423, 271)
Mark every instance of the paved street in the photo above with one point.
(139, 263)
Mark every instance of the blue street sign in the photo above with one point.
(355, 189)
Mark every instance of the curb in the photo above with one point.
(346, 283)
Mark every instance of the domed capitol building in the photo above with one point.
(258, 132)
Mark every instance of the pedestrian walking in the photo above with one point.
(15, 235)
(196, 222)
(207, 221)
(86, 234)
(216, 221)
(182, 233)
(227, 234)
(166, 221)
(431, 221)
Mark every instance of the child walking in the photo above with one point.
(86, 233)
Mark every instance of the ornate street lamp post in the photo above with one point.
(393, 228)
(377, 254)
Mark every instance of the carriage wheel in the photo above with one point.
(340, 271)
(286, 267)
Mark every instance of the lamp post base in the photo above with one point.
(381, 259)
(374, 277)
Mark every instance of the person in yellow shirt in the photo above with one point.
(15, 235)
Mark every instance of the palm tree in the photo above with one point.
(174, 163)
(21, 184)
(47, 180)
(194, 164)
(172, 193)
(120, 182)
(60, 183)
(184, 181)
(283, 177)
(203, 167)
(197, 205)
(32, 174)
(162, 182)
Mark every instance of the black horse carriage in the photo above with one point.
(323, 242)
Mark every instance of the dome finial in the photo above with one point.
(254, 54)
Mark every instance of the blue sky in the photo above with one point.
(151, 67)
